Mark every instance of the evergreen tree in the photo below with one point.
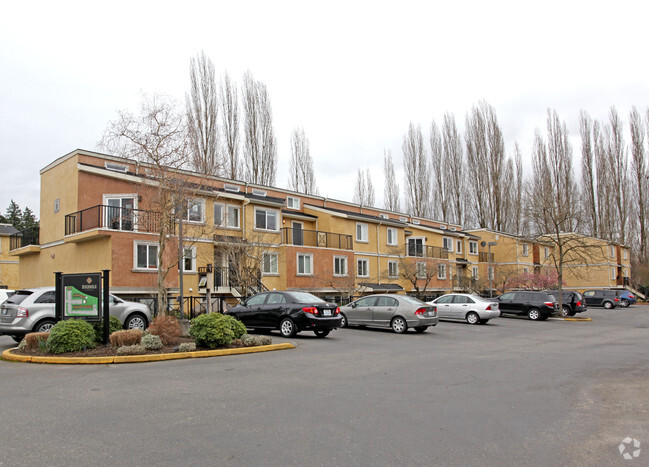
(28, 219)
(14, 215)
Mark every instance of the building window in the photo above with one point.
(118, 212)
(340, 265)
(265, 219)
(474, 272)
(227, 215)
(189, 259)
(234, 216)
(473, 247)
(362, 268)
(546, 252)
(292, 202)
(624, 254)
(304, 264)
(526, 249)
(526, 270)
(392, 236)
(146, 256)
(421, 270)
(393, 269)
(447, 243)
(362, 233)
(269, 263)
(613, 273)
(458, 245)
(195, 210)
(441, 271)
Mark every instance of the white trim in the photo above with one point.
(396, 268)
(366, 231)
(394, 236)
(367, 262)
(268, 254)
(294, 199)
(441, 270)
(297, 264)
(346, 273)
(136, 243)
(267, 210)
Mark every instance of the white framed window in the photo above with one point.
(447, 243)
(362, 234)
(195, 211)
(613, 273)
(115, 167)
(292, 202)
(526, 249)
(227, 215)
(393, 269)
(384, 216)
(392, 236)
(458, 246)
(421, 270)
(340, 265)
(234, 216)
(612, 251)
(304, 264)
(219, 215)
(189, 259)
(546, 252)
(269, 263)
(362, 268)
(441, 271)
(526, 270)
(145, 256)
(118, 213)
(232, 188)
(473, 247)
(258, 192)
(475, 272)
(266, 219)
(624, 253)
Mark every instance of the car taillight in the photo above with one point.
(310, 309)
(488, 308)
(22, 312)
(420, 311)
(617, 299)
(550, 304)
(631, 296)
(337, 310)
(578, 303)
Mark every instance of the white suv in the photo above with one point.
(32, 310)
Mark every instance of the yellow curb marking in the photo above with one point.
(8, 355)
(577, 319)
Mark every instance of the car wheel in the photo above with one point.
(287, 328)
(484, 321)
(322, 333)
(399, 325)
(420, 329)
(343, 320)
(45, 325)
(565, 310)
(534, 314)
(472, 318)
(17, 339)
(608, 305)
(624, 303)
(135, 321)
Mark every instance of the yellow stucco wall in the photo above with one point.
(59, 182)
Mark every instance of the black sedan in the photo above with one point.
(290, 312)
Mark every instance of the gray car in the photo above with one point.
(32, 310)
(398, 312)
(472, 308)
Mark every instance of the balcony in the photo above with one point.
(316, 238)
(113, 218)
(486, 257)
(426, 251)
(24, 239)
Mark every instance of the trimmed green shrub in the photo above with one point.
(151, 342)
(187, 347)
(137, 349)
(214, 330)
(253, 341)
(113, 325)
(72, 335)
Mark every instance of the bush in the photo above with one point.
(167, 328)
(35, 340)
(214, 330)
(114, 325)
(72, 335)
(187, 347)
(137, 349)
(126, 337)
(253, 341)
(151, 342)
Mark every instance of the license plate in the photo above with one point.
(430, 313)
(326, 313)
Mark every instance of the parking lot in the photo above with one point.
(512, 392)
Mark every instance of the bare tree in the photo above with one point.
(440, 195)
(417, 173)
(301, 175)
(605, 213)
(157, 137)
(391, 190)
(639, 166)
(260, 149)
(618, 171)
(419, 272)
(202, 116)
(363, 189)
(229, 103)
(454, 168)
(588, 174)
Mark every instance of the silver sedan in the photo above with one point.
(398, 312)
(472, 308)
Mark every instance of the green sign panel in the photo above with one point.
(82, 296)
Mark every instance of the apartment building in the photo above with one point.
(8, 263)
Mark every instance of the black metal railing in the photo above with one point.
(426, 251)
(112, 217)
(24, 238)
(317, 238)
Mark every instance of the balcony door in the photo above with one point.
(119, 213)
(416, 246)
(298, 234)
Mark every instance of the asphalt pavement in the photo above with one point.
(512, 392)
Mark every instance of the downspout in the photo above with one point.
(378, 253)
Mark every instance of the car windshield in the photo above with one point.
(303, 297)
(18, 297)
(412, 300)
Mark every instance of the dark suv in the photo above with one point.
(572, 302)
(536, 305)
(605, 298)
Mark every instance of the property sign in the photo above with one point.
(82, 296)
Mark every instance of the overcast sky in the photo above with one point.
(353, 74)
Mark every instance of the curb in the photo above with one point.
(577, 319)
(9, 356)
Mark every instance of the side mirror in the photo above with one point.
(353, 304)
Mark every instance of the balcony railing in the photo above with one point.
(24, 238)
(485, 257)
(316, 238)
(426, 251)
(112, 217)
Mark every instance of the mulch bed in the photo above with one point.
(109, 351)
